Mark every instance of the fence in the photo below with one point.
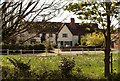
(57, 51)
(8, 51)
(83, 50)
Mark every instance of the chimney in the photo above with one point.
(72, 21)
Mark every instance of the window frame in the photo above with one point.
(64, 35)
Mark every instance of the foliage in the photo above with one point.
(95, 11)
(66, 66)
(102, 13)
(86, 65)
(24, 47)
(48, 45)
(18, 49)
(96, 39)
(23, 71)
(83, 40)
(20, 65)
(36, 47)
(116, 76)
(20, 71)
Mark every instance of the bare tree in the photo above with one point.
(14, 14)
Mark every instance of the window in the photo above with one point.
(64, 35)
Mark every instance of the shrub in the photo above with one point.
(37, 47)
(24, 47)
(93, 39)
(10, 46)
(116, 76)
(6, 72)
(17, 48)
(66, 66)
(21, 70)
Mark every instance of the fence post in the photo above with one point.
(58, 51)
(7, 51)
(95, 50)
(82, 50)
(33, 51)
(70, 50)
(21, 51)
(46, 51)
(88, 50)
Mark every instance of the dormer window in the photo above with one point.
(64, 35)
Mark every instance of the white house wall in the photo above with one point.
(75, 39)
(24, 36)
(52, 39)
(47, 37)
(67, 31)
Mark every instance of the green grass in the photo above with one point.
(91, 65)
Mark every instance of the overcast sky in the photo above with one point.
(65, 16)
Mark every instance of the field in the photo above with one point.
(90, 65)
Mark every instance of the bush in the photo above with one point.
(116, 77)
(93, 39)
(16, 48)
(6, 72)
(66, 66)
(21, 70)
(24, 47)
(11, 47)
(36, 47)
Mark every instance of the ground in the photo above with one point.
(91, 65)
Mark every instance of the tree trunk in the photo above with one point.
(108, 43)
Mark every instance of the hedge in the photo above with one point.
(24, 47)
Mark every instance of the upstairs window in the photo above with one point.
(64, 35)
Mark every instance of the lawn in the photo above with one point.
(90, 65)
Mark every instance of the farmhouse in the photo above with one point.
(65, 34)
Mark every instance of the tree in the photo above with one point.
(103, 13)
(14, 15)
(93, 39)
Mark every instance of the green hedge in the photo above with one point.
(24, 47)
(15, 49)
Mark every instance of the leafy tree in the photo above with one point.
(83, 40)
(103, 13)
(94, 39)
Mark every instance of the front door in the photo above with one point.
(67, 43)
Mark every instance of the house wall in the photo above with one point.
(24, 36)
(67, 31)
(75, 39)
(52, 39)
(71, 37)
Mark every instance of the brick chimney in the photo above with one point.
(72, 20)
(72, 23)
